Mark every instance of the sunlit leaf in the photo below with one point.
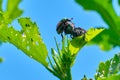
(77, 43)
(28, 39)
(92, 33)
(2, 23)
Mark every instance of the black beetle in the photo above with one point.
(67, 26)
(78, 32)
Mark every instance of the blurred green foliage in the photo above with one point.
(109, 70)
(110, 37)
(107, 39)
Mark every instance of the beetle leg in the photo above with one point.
(62, 35)
(84, 37)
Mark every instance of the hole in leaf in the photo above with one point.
(101, 75)
(31, 56)
(37, 43)
(9, 25)
(103, 71)
(23, 35)
(114, 61)
(28, 48)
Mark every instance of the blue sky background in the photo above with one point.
(47, 13)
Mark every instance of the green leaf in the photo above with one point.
(107, 12)
(112, 77)
(1, 18)
(104, 40)
(28, 40)
(77, 43)
(56, 59)
(0, 5)
(0, 43)
(13, 11)
(65, 58)
(104, 69)
(108, 69)
(115, 64)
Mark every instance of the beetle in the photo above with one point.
(78, 32)
(67, 26)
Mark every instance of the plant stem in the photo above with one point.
(67, 75)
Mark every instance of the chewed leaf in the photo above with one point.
(77, 43)
(92, 32)
(109, 68)
(28, 40)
